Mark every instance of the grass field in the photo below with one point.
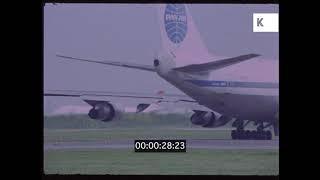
(130, 126)
(126, 120)
(125, 161)
(195, 161)
(65, 135)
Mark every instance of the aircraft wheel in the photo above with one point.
(241, 134)
(247, 134)
(259, 135)
(254, 135)
(234, 134)
(264, 135)
(268, 135)
(251, 135)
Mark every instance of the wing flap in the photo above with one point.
(116, 96)
(130, 98)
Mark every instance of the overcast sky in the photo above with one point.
(130, 33)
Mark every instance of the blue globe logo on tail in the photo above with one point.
(175, 21)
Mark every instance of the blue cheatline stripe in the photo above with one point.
(239, 84)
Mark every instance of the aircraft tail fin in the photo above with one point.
(179, 35)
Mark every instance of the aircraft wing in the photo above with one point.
(166, 100)
(219, 64)
(113, 63)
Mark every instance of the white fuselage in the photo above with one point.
(247, 91)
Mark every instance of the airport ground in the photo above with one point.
(79, 146)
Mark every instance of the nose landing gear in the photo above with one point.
(259, 134)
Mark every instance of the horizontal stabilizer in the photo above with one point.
(219, 64)
(114, 63)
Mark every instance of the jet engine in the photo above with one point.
(208, 119)
(202, 118)
(142, 107)
(103, 111)
(222, 120)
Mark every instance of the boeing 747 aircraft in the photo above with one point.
(217, 89)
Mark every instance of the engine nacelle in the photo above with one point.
(202, 118)
(208, 119)
(217, 122)
(103, 111)
(142, 107)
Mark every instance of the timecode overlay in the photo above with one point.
(160, 145)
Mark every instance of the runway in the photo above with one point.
(191, 144)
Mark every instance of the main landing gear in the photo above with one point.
(259, 134)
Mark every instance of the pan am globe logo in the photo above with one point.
(175, 21)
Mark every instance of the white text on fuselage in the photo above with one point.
(174, 17)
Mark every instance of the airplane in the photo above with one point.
(216, 89)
